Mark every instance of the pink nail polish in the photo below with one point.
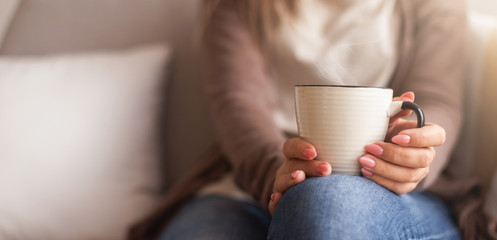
(366, 172)
(323, 168)
(272, 197)
(310, 153)
(401, 139)
(294, 174)
(408, 95)
(374, 149)
(367, 162)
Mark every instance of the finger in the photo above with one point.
(431, 135)
(396, 117)
(392, 171)
(312, 168)
(299, 149)
(409, 97)
(275, 199)
(399, 126)
(411, 157)
(396, 187)
(286, 181)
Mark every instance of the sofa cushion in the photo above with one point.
(471, 156)
(485, 129)
(55, 26)
(78, 142)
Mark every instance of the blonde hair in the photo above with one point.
(260, 16)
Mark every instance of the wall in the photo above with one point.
(484, 6)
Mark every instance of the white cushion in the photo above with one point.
(463, 163)
(78, 149)
(55, 26)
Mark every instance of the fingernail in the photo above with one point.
(272, 197)
(407, 94)
(374, 149)
(401, 139)
(323, 168)
(294, 174)
(310, 153)
(367, 162)
(366, 172)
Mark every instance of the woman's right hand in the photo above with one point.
(299, 164)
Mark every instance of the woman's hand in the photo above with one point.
(403, 161)
(299, 164)
(399, 164)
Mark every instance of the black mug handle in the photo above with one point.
(417, 110)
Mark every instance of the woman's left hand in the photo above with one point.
(402, 162)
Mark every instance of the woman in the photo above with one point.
(256, 52)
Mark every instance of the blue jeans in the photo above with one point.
(334, 207)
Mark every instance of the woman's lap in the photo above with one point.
(218, 218)
(336, 207)
(352, 207)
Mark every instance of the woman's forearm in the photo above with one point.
(240, 93)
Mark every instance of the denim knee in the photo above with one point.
(338, 206)
(336, 186)
(336, 192)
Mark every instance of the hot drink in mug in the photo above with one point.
(340, 120)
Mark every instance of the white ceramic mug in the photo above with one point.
(341, 120)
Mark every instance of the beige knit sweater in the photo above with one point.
(431, 63)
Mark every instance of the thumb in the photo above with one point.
(275, 199)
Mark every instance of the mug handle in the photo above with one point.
(397, 106)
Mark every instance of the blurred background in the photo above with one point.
(135, 66)
(484, 6)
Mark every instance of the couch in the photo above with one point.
(44, 28)
(108, 31)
